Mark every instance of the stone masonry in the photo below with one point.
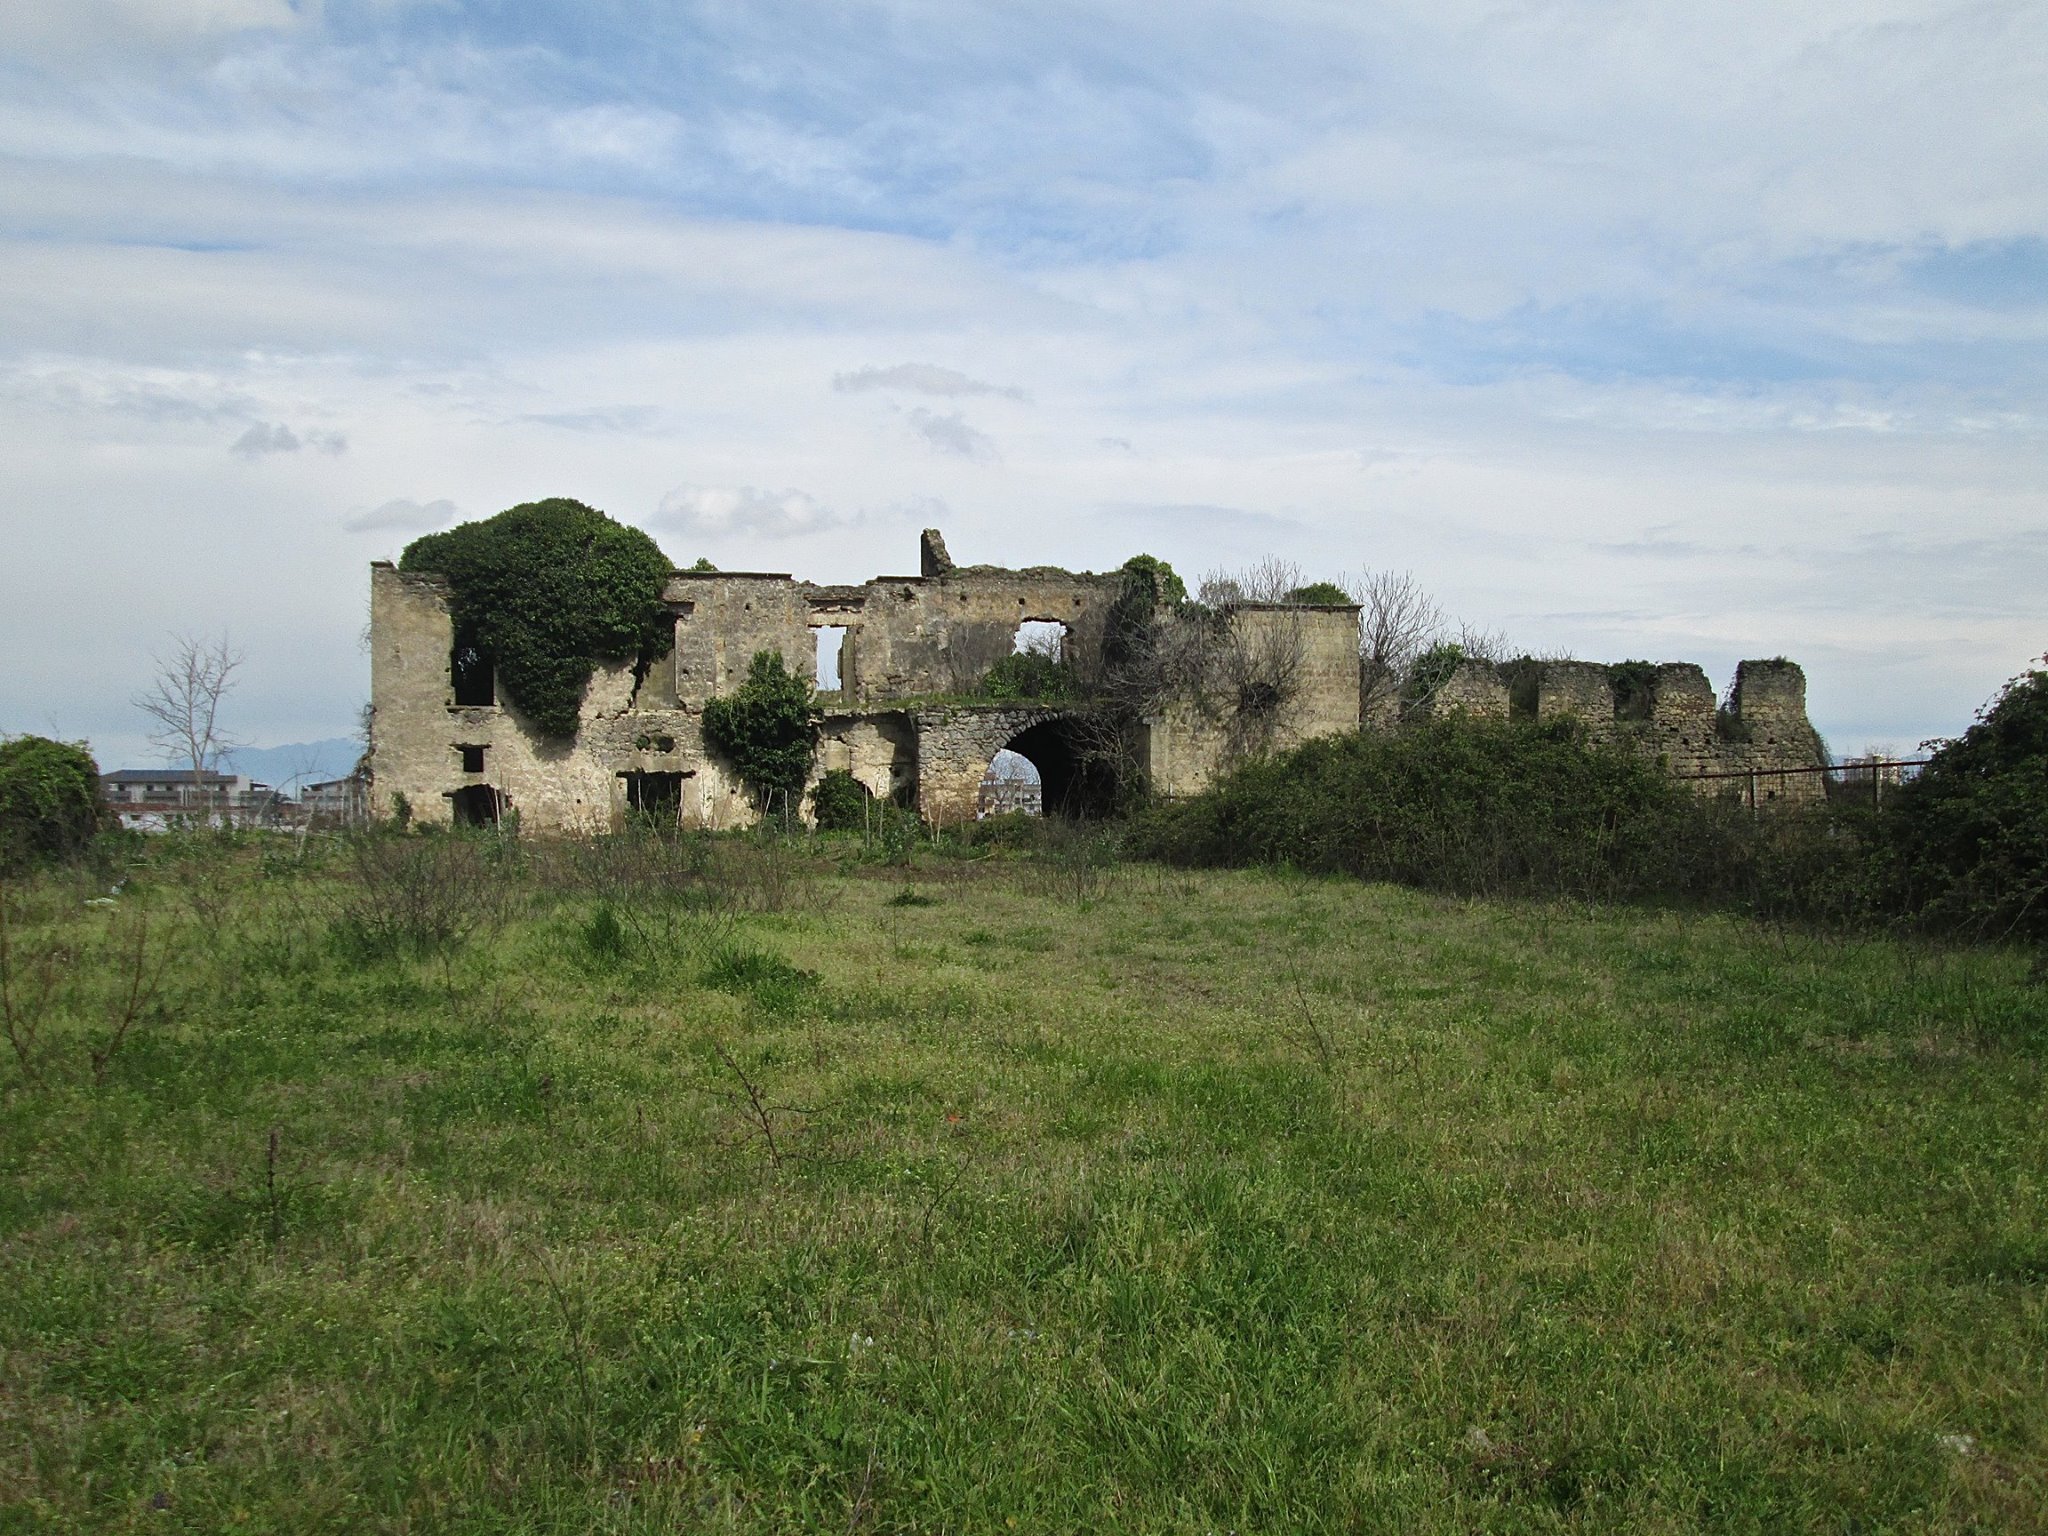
(904, 719)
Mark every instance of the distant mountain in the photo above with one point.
(298, 764)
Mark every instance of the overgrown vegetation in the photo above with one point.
(707, 1186)
(49, 801)
(547, 588)
(839, 802)
(1967, 841)
(1034, 675)
(767, 728)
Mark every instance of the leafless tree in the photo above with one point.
(1269, 581)
(184, 700)
(1398, 621)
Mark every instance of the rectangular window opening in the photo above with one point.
(1041, 637)
(470, 669)
(472, 759)
(832, 657)
(655, 795)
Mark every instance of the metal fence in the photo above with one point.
(1842, 779)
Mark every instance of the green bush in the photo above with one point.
(1488, 806)
(547, 588)
(49, 801)
(1030, 675)
(1326, 593)
(839, 802)
(767, 729)
(1966, 843)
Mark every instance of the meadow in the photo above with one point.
(437, 1184)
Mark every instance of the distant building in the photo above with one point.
(151, 799)
(1007, 794)
(346, 801)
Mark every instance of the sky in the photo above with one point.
(1649, 330)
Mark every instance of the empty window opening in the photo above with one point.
(477, 805)
(1011, 787)
(472, 759)
(832, 657)
(658, 796)
(1041, 637)
(470, 669)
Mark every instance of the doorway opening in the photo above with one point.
(477, 805)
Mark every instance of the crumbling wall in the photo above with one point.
(1764, 732)
(1474, 688)
(418, 731)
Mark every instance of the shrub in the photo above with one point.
(1320, 592)
(767, 728)
(1967, 841)
(49, 801)
(1030, 675)
(1478, 806)
(547, 588)
(839, 802)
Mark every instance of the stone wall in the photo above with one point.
(903, 721)
(1764, 731)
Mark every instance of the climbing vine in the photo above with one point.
(548, 589)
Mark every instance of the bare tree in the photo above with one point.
(184, 700)
(1398, 621)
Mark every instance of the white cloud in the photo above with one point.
(705, 511)
(949, 433)
(922, 379)
(404, 516)
(268, 437)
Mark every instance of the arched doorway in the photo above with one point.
(1075, 777)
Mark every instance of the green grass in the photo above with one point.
(1162, 1202)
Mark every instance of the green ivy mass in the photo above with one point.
(767, 728)
(549, 588)
(49, 801)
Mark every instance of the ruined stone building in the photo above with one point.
(904, 719)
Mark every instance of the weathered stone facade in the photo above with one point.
(904, 721)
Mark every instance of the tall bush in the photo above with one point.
(1470, 806)
(1967, 841)
(49, 801)
(767, 728)
(548, 588)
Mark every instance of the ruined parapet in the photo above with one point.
(1581, 690)
(1681, 722)
(1766, 728)
(932, 559)
(1474, 689)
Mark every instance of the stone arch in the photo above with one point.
(955, 746)
(1073, 781)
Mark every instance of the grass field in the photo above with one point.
(784, 1193)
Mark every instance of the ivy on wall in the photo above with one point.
(767, 728)
(548, 589)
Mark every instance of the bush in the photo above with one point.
(1322, 593)
(1488, 806)
(547, 588)
(767, 728)
(1030, 675)
(49, 801)
(839, 802)
(1966, 843)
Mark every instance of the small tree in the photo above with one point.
(184, 701)
(49, 801)
(839, 802)
(767, 728)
